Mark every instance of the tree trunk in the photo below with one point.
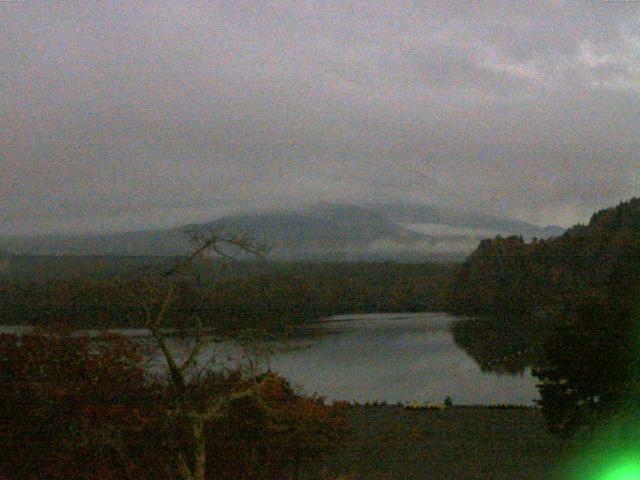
(199, 449)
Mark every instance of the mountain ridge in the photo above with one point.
(325, 230)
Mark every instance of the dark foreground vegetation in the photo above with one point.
(461, 443)
(77, 408)
(73, 407)
(257, 295)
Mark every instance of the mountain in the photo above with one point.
(400, 231)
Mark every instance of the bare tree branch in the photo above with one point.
(158, 317)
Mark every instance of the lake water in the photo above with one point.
(396, 358)
(386, 357)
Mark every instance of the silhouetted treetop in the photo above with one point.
(510, 275)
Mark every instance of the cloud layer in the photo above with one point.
(131, 114)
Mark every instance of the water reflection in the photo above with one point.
(397, 358)
(503, 344)
(406, 358)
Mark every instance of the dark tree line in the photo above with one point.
(271, 298)
(509, 275)
(582, 291)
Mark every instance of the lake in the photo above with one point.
(396, 358)
(405, 358)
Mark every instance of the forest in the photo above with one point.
(74, 406)
(568, 307)
(94, 292)
(594, 262)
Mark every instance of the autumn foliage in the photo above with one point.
(80, 408)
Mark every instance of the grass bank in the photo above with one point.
(457, 443)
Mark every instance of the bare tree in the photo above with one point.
(199, 392)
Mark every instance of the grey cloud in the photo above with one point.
(448, 69)
(129, 114)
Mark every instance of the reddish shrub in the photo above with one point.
(81, 408)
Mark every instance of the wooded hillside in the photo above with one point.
(587, 263)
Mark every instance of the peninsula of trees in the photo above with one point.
(591, 262)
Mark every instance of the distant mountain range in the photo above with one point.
(400, 231)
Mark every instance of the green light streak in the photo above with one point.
(625, 470)
(611, 452)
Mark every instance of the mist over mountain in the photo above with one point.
(399, 231)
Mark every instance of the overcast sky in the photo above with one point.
(133, 114)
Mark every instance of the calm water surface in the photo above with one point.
(384, 357)
(396, 358)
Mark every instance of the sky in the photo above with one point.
(121, 115)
